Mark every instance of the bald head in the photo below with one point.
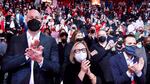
(102, 33)
(33, 20)
(33, 14)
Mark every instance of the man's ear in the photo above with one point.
(123, 45)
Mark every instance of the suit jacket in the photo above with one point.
(19, 69)
(142, 53)
(148, 68)
(101, 63)
(119, 68)
(62, 51)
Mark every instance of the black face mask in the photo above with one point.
(112, 33)
(120, 34)
(73, 28)
(92, 31)
(120, 42)
(64, 40)
(34, 25)
(79, 39)
(102, 39)
(119, 45)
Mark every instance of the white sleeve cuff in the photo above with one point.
(26, 57)
(41, 63)
(139, 74)
(129, 74)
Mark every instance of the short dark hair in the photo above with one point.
(129, 35)
(62, 32)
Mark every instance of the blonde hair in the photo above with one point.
(72, 54)
(74, 35)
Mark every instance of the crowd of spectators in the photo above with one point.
(76, 22)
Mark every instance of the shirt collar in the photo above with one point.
(125, 55)
(36, 37)
(127, 58)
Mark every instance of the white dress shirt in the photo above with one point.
(130, 62)
(30, 40)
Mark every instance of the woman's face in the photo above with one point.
(80, 52)
(80, 48)
(79, 35)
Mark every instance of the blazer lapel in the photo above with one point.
(123, 62)
(42, 39)
(24, 41)
(42, 42)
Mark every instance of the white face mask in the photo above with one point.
(139, 45)
(80, 56)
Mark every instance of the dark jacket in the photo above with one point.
(61, 50)
(19, 69)
(101, 63)
(71, 75)
(119, 68)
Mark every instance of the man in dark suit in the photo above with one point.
(101, 53)
(62, 58)
(3, 47)
(147, 48)
(127, 67)
(32, 57)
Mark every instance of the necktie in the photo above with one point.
(132, 80)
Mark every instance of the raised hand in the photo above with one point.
(35, 44)
(85, 65)
(35, 51)
(138, 66)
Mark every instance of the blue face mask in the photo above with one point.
(131, 50)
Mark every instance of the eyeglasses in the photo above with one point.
(80, 50)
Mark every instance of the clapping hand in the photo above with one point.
(34, 52)
(85, 65)
(138, 66)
